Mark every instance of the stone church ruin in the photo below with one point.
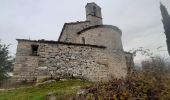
(85, 50)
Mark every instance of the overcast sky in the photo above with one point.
(139, 20)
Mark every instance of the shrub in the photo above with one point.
(149, 83)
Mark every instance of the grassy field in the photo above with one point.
(61, 89)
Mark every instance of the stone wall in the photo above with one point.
(69, 31)
(87, 62)
(94, 20)
(25, 64)
(67, 60)
(106, 35)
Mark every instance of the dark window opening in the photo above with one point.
(66, 39)
(34, 50)
(94, 10)
(83, 39)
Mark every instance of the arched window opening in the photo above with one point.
(94, 10)
(83, 40)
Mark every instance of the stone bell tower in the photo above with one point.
(93, 14)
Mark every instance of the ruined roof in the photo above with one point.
(71, 23)
(78, 22)
(58, 42)
(92, 3)
(97, 26)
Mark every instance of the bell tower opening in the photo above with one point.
(83, 40)
(94, 10)
(93, 14)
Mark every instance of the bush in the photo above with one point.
(129, 89)
(149, 83)
(6, 62)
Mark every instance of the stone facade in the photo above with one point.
(69, 31)
(106, 35)
(86, 50)
(25, 63)
(64, 60)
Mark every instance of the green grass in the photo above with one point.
(59, 88)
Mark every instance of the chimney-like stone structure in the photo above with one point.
(93, 14)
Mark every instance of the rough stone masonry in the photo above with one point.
(85, 50)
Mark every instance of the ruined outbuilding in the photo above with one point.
(86, 50)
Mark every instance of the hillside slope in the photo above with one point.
(61, 89)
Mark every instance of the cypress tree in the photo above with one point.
(166, 24)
